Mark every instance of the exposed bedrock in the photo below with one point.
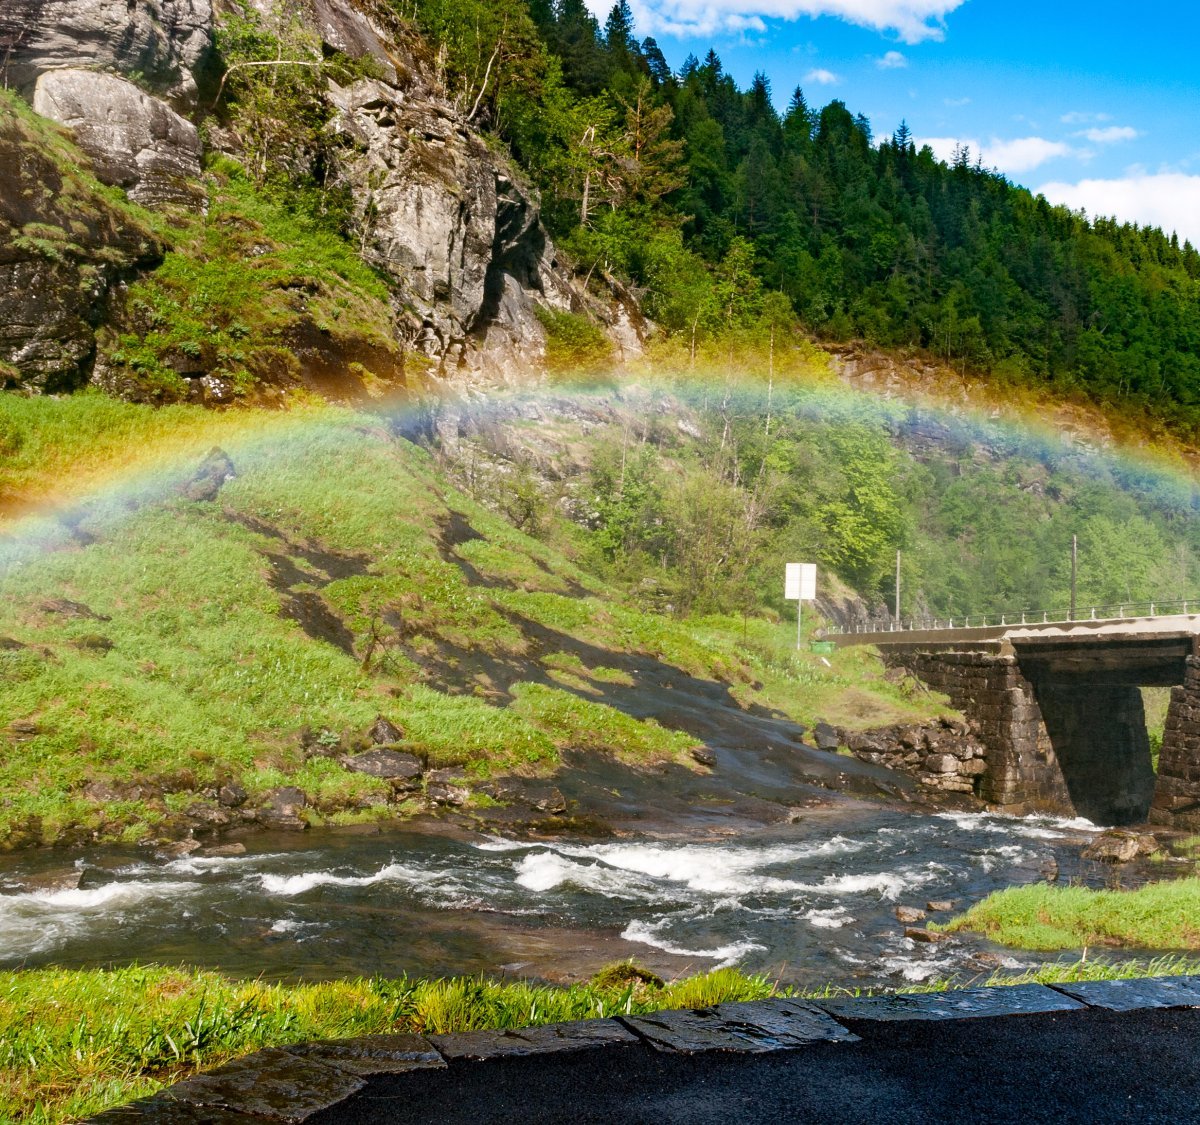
(62, 247)
(436, 208)
(167, 43)
(136, 142)
(441, 215)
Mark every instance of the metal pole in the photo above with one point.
(1074, 570)
(897, 585)
(799, 613)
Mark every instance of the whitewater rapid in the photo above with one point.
(806, 902)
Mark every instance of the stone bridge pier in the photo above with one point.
(1061, 717)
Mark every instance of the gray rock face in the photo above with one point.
(435, 210)
(166, 42)
(136, 142)
(440, 212)
(349, 31)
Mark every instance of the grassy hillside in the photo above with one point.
(157, 646)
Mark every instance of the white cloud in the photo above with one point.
(956, 103)
(944, 147)
(1111, 135)
(821, 77)
(893, 60)
(1170, 200)
(1076, 118)
(1011, 157)
(913, 21)
(1024, 154)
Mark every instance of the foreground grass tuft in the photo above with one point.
(1156, 916)
(75, 1042)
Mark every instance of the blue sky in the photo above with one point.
(1096, 104)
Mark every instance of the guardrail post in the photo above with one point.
(1151, 609)
(1045, 617)
(1093, 613)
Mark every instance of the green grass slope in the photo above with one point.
(154, 647)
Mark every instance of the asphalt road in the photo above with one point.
(1088, 1066)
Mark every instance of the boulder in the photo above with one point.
(222, 850)
(353, 34)
(439, 212)
(939, 906)
(1114, 847)
(909, 914)
(928, 937)
(167, 43)
(391, 765)
(136, 141)
(942, 763)
(208, 817)
(702, 756)
(50, 882)
(287, 801)
(442, 788)
(210, 477)
(281, 822)
(549, 800)
(231, 795)
(384, 732)
(100, 793)
(826, 737)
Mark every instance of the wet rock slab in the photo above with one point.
(1130, 995)
(162, 1107)
(755, 1027)
(277, 1084)
(967, 1003)
(373, 1054)
(532, 1040)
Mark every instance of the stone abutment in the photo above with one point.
(1070, 738)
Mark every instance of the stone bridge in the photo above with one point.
(1060, 713)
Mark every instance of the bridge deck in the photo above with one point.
(1118, 631)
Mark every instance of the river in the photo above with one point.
(810, 903)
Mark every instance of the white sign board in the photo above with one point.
(800, 582)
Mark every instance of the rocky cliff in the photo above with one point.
(436, 210)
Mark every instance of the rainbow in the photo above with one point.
(141, 456)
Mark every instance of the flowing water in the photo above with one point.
(812, 903)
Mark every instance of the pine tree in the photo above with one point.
(660, 70)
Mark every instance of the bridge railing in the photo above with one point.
(1115, 611)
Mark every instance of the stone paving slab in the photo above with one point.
(966, 1003)
(276, 1084)
(1130, 995)
(753, 1027)
(577, 1036)
(371, 1055)
(794, 1023)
